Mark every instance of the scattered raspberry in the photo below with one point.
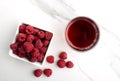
(37, 72)
(38, 44)
(48, 72)
(45, 42)
(30, 30)
(40, 57)
(22, 28)
(21, 55)
(30, 38)
(63, 55)
(48, 35)
(28, 47)
(41, 34)
(14, 46)
(69, 64)
(21, 37)
(50, 59)
(61, 63)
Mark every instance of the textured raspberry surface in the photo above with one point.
(63, 55)
(37, 72)
(48, 35)
(43, 50)
(50, 59)
(30, 30)
(61, 63)
(22, 28)
(40, 57)
(69, 64)
(41, 34)
(45, 42)
(28, 47)
(38, 44)
(14, 46)
(21, 55)
(30, 38)
(21, 37)
(48, 72)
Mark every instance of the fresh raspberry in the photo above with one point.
(61, 63)
(33, 59)
(15, 52)
(30, 38)
(37, 72)
(35, 54)
(29, 30)
(43, 50)
(21, 37)
(63, 55)
(38, 44)
(41, 34)
(22, 28)
(28, 47)
(21, 49)
(14, 46)
(45, 42)
(40, 57)
(69, 64)
(21, 55)
(48, 72)
(50, 59)
(36, 30)
(48, 35)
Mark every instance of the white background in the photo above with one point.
(99, 64)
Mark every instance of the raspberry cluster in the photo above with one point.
(31, 43)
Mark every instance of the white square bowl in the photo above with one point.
(24, 59)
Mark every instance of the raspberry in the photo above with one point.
(14, 46)
(30, 30)
(28, 47)
(61, 63)
(43, 50)
(36, 30)
(30, 38)
(21, 55)
(35, 52)
(21, 37)
(21, 49)
(22, 28)
(45, 42)
(48, 72)
(40, 57)
(48, 35)
(41, 34)
(63, 55)
(69, 64)
(37, 72)
(15, 52)
(38, 44)
(33, 59)
(50, 59)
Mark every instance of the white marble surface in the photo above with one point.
(102, 63)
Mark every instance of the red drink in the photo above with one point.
(82, 33)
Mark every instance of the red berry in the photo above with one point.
(48, 72)
(21, 55)
(33, 59)
(45, 42)
(43, 50)
(38, 72)
(30, 38)
(61, 63)
(28, 47)
(63, 55)
(40, 57)
(69, 64)
(22, 28)
(48, 35)
(38, 44)
(50, 59)
(14, 46)
(21, 37)
(41, 34)
(29, 30)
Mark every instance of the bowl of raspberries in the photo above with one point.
(30, 44)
